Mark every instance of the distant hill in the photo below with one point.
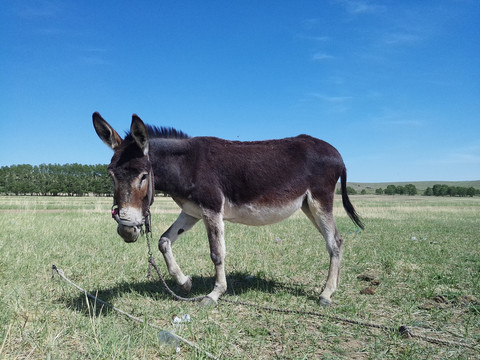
(420, 185)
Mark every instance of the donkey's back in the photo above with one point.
(260, 182)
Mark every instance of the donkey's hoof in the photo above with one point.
(187, 285)
(324, 302)
(207, 301)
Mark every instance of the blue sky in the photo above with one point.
(393, 85)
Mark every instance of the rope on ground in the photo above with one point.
(403, 330)
(60, 273)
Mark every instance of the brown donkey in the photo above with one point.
(213, 180)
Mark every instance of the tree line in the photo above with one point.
(445, 190)
(81, 180)
(410, 189)
(54, 180)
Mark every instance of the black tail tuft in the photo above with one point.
(346, 201)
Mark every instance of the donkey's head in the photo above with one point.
(132, 175)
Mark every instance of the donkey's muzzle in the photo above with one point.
(128, 230)
(129, 233)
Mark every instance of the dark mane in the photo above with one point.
(161, 132)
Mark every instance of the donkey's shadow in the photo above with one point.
(238, 284)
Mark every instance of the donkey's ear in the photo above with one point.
(105, 132)
(139, 133)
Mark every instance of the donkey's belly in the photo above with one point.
(260, 214)
(248, 214)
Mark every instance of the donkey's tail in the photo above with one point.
(346, 201)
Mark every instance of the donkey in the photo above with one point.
(213, 180)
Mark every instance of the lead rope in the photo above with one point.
(148, 235)
(403, 330)
(153, 264)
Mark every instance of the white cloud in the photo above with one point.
(401, 38)
(360, 7)
(393, 118)
(310, 23)
(314, 38)
(331, 99)
(322, 56)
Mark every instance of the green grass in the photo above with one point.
(45, 318)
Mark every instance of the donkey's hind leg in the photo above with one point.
(321, 216)
(183, 223)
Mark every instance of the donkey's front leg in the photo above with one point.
(215, 230)
(183, 223)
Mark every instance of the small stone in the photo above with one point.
(467, 299)
(440, 299)
(375, 282)
(427, 306)
(368, 291)
(433, 304)
(366, 277)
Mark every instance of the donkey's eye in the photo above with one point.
(143, 179)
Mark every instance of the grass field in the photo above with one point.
(423, 253)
